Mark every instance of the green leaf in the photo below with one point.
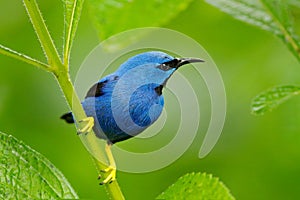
(251, 12)
(279, 11)
(197, 186)
(112, 16)
(270, 99)
(270, 15)
(72, 15)
(26, 174)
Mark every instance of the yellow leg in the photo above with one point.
(88, 127)
(111, 169)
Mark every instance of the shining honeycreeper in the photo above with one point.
(126, 102)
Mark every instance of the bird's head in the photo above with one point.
(153, 67)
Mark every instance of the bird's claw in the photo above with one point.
(108, 169)
(88, 127)
(111, 176)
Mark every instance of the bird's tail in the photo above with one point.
(68, 117)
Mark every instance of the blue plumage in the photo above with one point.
(129, 100)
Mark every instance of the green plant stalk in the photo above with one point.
(62, 75)
(42, 33)
(113, 189)
(68, 41)
(19, 56)
(67, 88)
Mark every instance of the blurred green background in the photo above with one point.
(256, 157)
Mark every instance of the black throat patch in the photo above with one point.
(158, 89)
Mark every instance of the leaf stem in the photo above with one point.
(69, 34)
(42, 33)
(19, 56)
(288, 37)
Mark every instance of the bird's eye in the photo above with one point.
(164, 67)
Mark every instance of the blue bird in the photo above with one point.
(126, 102)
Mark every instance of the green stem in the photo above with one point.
(13, 54)
(287, 38)
(90, 139)
(61, 73)
(290, 41)
(69, 35)
(42, 32)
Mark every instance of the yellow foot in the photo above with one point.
(111, 170)
(88, 127)
(111, 176)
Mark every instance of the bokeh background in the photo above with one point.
(256, 157)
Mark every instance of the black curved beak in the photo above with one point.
(177, 62)
(184, 61)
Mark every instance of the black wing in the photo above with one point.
(96, 89)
